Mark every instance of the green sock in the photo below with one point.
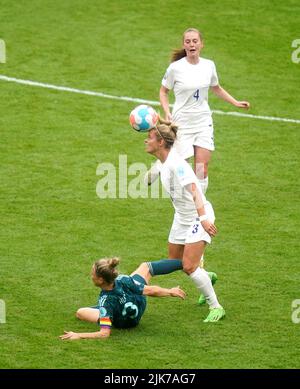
(164, 266)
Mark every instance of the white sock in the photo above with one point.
(203, 283)
(204, 184)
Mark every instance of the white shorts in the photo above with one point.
(185, 142)
(191, 233)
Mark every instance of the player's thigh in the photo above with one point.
(143, 271)
(88, 314)
(175, 250)
(192, 255)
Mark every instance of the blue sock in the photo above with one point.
(164, 266)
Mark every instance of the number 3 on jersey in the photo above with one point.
(195, 228)
(130, 310)
(197, 94)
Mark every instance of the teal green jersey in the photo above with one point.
(124, 305)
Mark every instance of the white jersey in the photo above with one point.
(175, 174)
(191, 83)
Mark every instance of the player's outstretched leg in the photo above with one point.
(213, 276)
(155, 268)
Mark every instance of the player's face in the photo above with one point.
(151, 142)
(192, 44)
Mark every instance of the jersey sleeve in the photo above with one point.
(168, 79)
(214, 81)
(185, 174)
(105, 315)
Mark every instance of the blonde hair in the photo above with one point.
(106, 268)
(167, 131)
(180, 53)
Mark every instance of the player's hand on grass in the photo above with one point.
(209, 227)
(69, 335)
(177, 292)
(243, 104)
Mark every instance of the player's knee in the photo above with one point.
(142, 270)
(79, 314)
(145, 268)
(189, 268)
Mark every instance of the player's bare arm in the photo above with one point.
(208, 226)
(224, 95)
(164, 101)
(102, 334)
(157, 291)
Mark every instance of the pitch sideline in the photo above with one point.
(136, 100)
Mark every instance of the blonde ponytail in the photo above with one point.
(106, 268)
(167, 131)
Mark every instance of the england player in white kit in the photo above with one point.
(191, 112)
(193, 224)
(191, 77)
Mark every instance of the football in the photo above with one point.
(143, 117)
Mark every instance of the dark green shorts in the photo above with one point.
(139, 278)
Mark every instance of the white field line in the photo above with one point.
(133, 99)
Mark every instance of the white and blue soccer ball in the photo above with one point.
(143, 117)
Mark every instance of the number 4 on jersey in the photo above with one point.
(197, 94)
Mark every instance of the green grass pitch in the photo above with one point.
(53, 225)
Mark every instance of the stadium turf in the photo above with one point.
(53, 224)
